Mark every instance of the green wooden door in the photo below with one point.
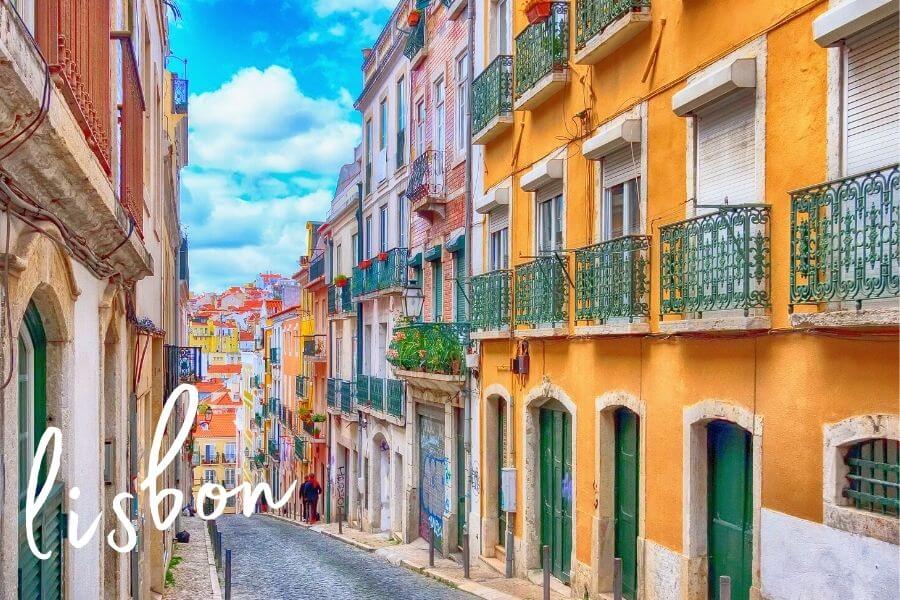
(730, 508)
(501, 459)
(556, 489)
(626, 498)
(459, 265)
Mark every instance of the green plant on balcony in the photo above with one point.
(428, 347)
(318, 418)
(340, 280)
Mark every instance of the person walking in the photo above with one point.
(304, 512)
(313, 489)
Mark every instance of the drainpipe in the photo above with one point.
(467, 283)
(359, 353)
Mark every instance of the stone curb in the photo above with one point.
(211, 560)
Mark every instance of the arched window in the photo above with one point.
(873, 476)
(32, 393)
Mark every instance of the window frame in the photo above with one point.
(421, 117)
(499, 249)
(439, 133)
(461, 131)
(383, 228)
(555, 195)
(382, 124)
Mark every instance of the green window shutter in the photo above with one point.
(459, 262)
(556, 489)
(626, 498)
(437, 293)
(729, 508)
(501, 451)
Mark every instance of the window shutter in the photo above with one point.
(622, 165)
(872, 117)
(499, 219)
(726, 162)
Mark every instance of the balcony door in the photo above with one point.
(726, 152)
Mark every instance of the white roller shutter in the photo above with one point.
(872, 115)
(622, 165)
(726, 153)
(499, 219)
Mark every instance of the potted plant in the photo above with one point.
(340, 280)
(537, 11)
(383, 256)
(365, 263)
(318, 418)
(413, 18)
(316, 432)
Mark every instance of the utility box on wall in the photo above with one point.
(508, 489)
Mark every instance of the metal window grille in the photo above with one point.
(874, 476)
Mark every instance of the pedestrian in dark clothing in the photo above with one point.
(304, 513)
(313, 489)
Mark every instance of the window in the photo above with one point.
(459, 298)
(550, 216)
(338, 353)
(873, 476)
(354, 241)
(32, 380)
(440, 135)
(367, 349)
(209, 452)
(229, 477)
(500, 28)
(25, 9)
(726, 153)
(230, 452)
(401, 123)
(367, 237)
(402, 221)
(437, 290)
(383, 228)
(337, 260)
(209, 476)
(462, 75)
(382, 124)
(368, 136)
(500, 249)
(621, 193)
(872, 110)
(420, 127)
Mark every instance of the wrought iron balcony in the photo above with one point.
(438, 348)
(346, 394)
(273, 356)
(396, 397)
(301, 386)
(300, 448)
(612, 280)
(362, 389)
(426, 190)
(179, 95)
(542, 49)
(331, 393)
(376, 393)
(317, 266)
(314, 349)
(492, 101)
(717, 261)
(340, 299)
(593, 16)
(183, 365)
(491, 301)
(313, 430)
(845, 236)
(388, 275)
(273, 449)
(415, 44)
(542, 292)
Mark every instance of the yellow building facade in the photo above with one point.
(685, 351)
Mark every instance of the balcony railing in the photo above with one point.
(376, 393)
(395, 397)
(74, 39)
(542, 48)
(361, 386)
(317, 266)
(491, 301)
(340, 299)
(346, 393)
(179, 95)
(492, 93)
(382, 274)
(542, 292)
(131, 190)
(300, 448)
(718, 261)
(301, 386)
(313, 429)
(273, 449)
(273, 356)
(331, 393)
(612, 280)
(427, 178)
(438, 348)
(314, 349)
(416, 40)
(183, 365)
(845, 239)
(593, 16)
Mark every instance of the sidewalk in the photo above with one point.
(195, 576)
(484, 581)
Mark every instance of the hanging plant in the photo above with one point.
(537, 11)
(413, 18)
(318, 418)
(340, 280)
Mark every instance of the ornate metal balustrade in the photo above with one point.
(491, 301)
(300, 448)
(376, 393)
(340, 299)
(718, 261)
(346, 393)
(430, 347)
(273, 356)
(845, 239)
(542, 292)
(362, 389)
(331, 393)
(317, 267)
(593, 16)
(416, 40)
(396, 398)
(301, 386)
(427, 178)
(314, 348)
(542, 48)
(183, 365)
(612, 280)
(492, 93)
(273, 449)
(179, 95)
(382, 275)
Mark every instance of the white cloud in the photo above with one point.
(324, 8)
(337, 30)
(264, 158)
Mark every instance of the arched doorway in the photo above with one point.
(556, 487)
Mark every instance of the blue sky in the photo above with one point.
(271, 122)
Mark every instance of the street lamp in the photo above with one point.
(413, 302)
(207, 414)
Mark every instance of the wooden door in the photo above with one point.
(626, 498)
(556, 490)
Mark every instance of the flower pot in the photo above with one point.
(413, 18)
(383, 256)
(538, 11)
(365, 264)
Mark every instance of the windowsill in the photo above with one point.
(400, 171)
(863, 523)
(542, 332)
(459, 157)
(636, 328)
(867, 317)
(613, 37)
(716, 324)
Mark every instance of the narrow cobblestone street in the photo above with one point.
(274, 559)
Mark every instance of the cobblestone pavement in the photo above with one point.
(192, 578)
(274, 560)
